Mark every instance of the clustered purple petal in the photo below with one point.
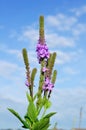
(44, 69)
(48, 85)
(27, 83)
(42, 51)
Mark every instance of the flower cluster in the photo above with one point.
(48, 86)
(42, 51)
(44, 69)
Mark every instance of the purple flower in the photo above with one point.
(42, 51)
(44, 87)
(45, 69)
(48, 85)
(47, 81)
(27, 83)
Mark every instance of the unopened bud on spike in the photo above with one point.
(41, 29)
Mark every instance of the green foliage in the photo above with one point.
(38, 103)
(43, 124)
(25, 125)
(46, 103)
(31, 118)
(32, 112)
(29, 98)
(49, 115)
(33, 74)
(41, 81)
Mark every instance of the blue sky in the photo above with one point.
(65, 33)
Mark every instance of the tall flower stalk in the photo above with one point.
(38, 103)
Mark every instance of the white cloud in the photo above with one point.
(62, 57)
(79, 29)
(66, 57)
(31, 55)
(54, 40)
(70, 71)
(67, 24)
(4, 48)
(29, 33)
(61, 22)
(8, 69)
(54, 24)
(18, 53)
(79, 11)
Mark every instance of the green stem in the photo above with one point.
(41, 81)
(44, 112)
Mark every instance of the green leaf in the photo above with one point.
(32, 112)
(34, 96)
(43, 124)
(47, 104)
(49, 115)
(18, 116)
(28, 120)
(29, 98)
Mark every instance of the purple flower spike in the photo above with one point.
(42, 51)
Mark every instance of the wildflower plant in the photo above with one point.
(36, 117)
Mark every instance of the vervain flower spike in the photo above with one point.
(36, 117)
